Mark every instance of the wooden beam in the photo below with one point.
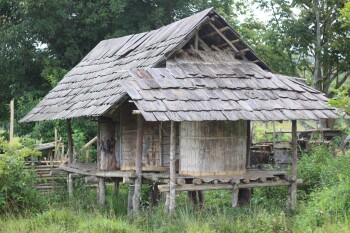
(224, 37)
(138, 163)
(203, 44)
(70, 141)
(215, 48)
(196, 41)
(136, 112)
(293, 186)
(12, 120)
(232, 41)
(215, 32)
(172, 194)
(192, 187)
(87, 145)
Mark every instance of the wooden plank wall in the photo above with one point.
(213, 147)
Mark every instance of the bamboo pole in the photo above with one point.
(293, 186)
(70, 141)
(12, 120)
(172, 194)
(249, 143)
(138, 163)
(56, 145)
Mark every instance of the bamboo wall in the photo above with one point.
(213, 147)
(156, 141)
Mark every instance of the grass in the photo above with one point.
(81, 214)
(324, 206)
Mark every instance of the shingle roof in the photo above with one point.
(199, 86)
(94, 85)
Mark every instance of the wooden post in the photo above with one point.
(107, 145)
(116, 187)
(167, 200)
(138, 163)
(172, 194)
(235, 193)
(201, 198)
(192, 195)
(130, 198)
(70, 185)
(70, 141)
(101, 191)
(249, 143)
(12, 120)
(56, 146)
(293, 187)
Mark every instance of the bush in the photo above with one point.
(17, 183)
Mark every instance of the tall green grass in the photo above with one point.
(323, 206)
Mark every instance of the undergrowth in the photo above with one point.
(323, 206)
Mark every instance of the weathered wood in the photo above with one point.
(56, 145)
(70, 141)
(192, 187)
(160, 147)
(180, 181)
(12, 120)
(107, 145)
(249, 143)
(87, 145)
(203, 44)
(293, 186)
(167, 200)
(234, 198)
(70, 185)
(130, 198)
(196, 41)
(138, 163)
(116, 173)
(172, 194)
(225, 38)
(101, 191)
(215, 32)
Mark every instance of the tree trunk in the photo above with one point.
(317, 81)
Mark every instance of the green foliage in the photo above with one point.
(341, 99)
(17, 183)
(345, 14)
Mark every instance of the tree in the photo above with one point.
(314, 39)
(42, 39)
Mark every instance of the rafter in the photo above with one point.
(227, 41)
(215, 32)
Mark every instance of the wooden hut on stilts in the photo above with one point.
(174, 108)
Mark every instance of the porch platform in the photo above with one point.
(250, 179)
